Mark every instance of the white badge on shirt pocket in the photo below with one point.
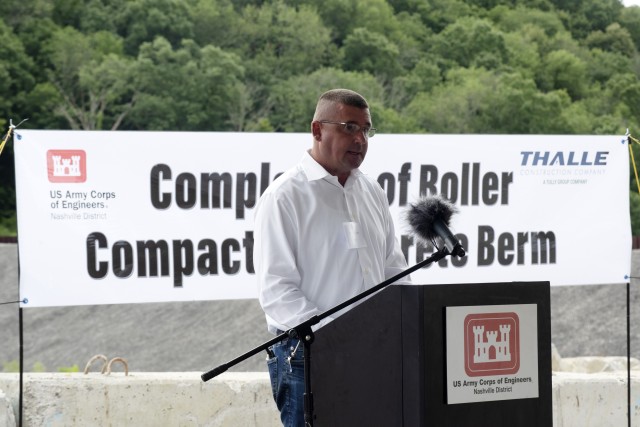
(355, 238)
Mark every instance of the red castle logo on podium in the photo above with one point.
(491, 344)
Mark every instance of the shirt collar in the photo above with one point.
(314, 171)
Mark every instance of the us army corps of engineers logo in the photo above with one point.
(67, 165)
(491, 353)
(491, 344)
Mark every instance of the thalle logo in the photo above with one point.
(491, 344)
(67, 165)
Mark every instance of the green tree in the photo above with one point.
(16, 79)
(68, 13)
(563, 70)
(422, 78)
(92, 79)
(293, 101)
(279, 41)
(456, 106)
(40, 106)
(343, 16)
(404, 30)
(16, 68)
(34, 37)
(482, 101)
(216, 22)
(518, 107)
(102, 15)
(586, 16)
(276, 42)
(20, 14)
(614, 39)
(514, 19)
(630, 20)
(608, 115)
(580, 120)
(471, 42)
(371, 52)
(603, 65)
(140, 21)
(623, 93)
(190, 88)
(522, 53)
(438, 14)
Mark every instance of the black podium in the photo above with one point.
(384, 363)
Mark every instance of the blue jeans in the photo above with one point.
(287, 381)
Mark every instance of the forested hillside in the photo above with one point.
(426, 66)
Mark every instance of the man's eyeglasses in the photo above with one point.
(352, 128)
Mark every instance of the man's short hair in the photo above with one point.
(345, 97)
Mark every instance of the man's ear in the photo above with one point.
(316, 130)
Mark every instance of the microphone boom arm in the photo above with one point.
(304, 329)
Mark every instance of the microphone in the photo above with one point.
(429, 218)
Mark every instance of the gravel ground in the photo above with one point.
(198, 336)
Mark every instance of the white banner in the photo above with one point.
(124, 217)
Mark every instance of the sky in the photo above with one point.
(631, 2)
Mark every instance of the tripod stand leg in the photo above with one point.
(308, 395)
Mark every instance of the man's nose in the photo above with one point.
(361, 137)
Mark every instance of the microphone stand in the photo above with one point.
(304, 333)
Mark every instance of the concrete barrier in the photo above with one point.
(142, 399)
(594, 400)
(7, 415)
(244, 399)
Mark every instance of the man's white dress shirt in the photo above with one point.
(318, 243)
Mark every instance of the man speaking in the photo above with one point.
(323, 234)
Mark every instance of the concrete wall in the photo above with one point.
(244, 399)
(142, 399)
(594, 400)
